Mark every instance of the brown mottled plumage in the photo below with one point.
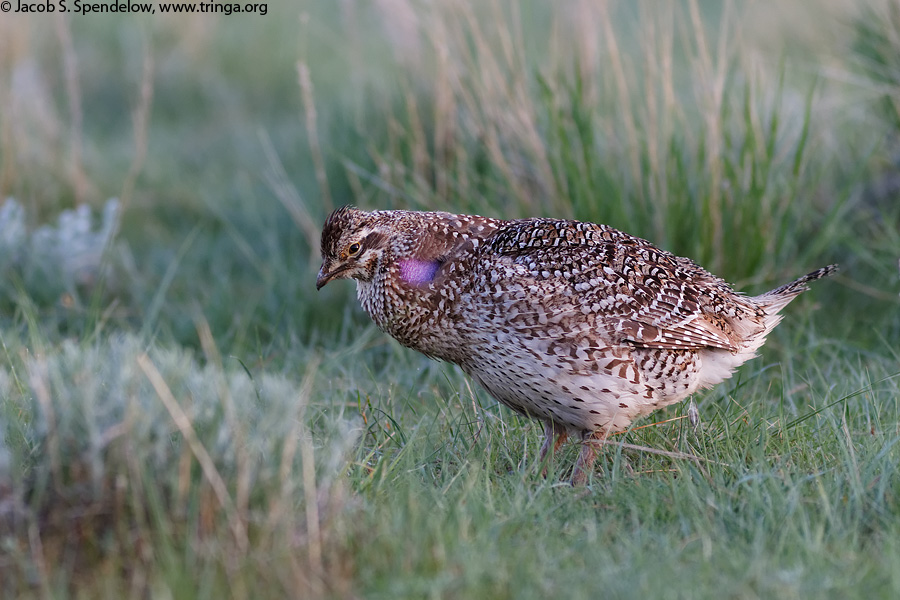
(579, 325)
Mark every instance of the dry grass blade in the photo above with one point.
(80, 183)
(309, 107)
(648, 450)
(141, 120)
(38, 377)
(206, 462)
(280, 184)
(242, 492)
(310, 493)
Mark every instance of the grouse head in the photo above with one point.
(353, 243)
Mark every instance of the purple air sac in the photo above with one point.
(418, 272)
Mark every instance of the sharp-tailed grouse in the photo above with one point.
(579, 325)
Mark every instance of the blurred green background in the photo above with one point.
(317, 457)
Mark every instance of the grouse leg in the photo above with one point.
(584, 466)
(555, 436)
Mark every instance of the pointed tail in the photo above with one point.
(778, 298)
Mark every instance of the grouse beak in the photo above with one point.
(323, 277)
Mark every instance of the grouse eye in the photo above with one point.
(353, 249)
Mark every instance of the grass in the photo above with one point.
(182, 415)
